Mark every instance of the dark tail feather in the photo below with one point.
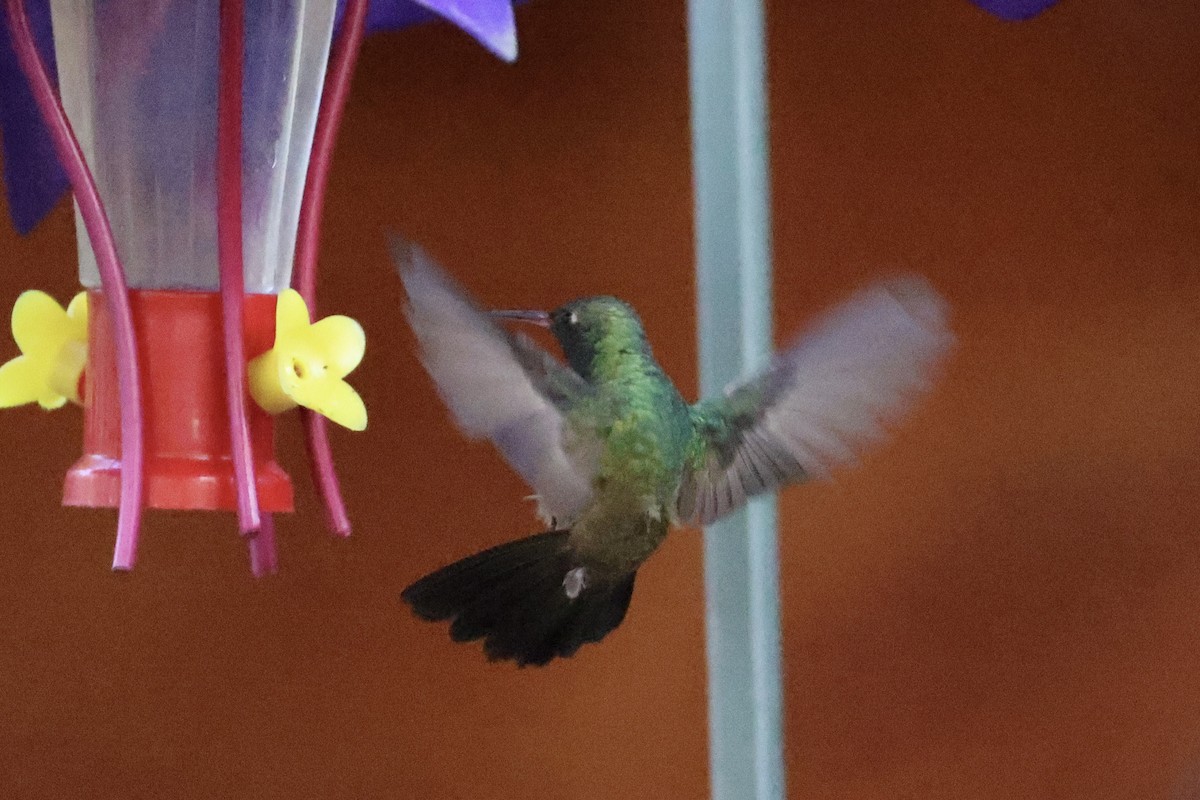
(512, 596)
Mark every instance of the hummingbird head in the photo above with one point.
(590, 330)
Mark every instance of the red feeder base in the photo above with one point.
(181, 352)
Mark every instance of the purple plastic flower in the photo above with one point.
(1014, 10)
(490, 22)
(33, 177)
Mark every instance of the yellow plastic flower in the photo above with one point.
(53, 347)
(308, 363)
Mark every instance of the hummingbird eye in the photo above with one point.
(573, 318)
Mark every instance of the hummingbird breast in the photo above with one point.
(641, 426)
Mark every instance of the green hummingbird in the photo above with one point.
(616, 457)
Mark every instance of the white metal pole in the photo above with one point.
(733, 275)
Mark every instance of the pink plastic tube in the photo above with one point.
(342, 59)
(257, 526)
(112, 280)
(229, 253)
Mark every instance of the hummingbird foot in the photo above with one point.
(530, 600)
(575, 582)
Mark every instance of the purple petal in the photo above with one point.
(1014, 10)
(383, 15)
(32, 174)
(490, 22)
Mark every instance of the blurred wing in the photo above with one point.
(822, 401)
(498, 385)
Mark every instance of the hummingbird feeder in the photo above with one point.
(198, 173)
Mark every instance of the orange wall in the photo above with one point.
(1000, 604)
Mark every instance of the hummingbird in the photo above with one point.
(616, 457)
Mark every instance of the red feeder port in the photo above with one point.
(188, 462)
